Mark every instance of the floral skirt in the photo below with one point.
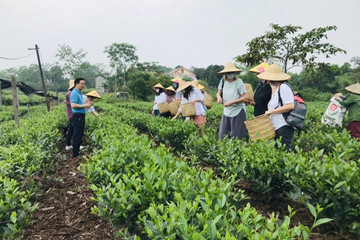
(199, 120)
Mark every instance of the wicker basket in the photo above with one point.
(188, 109)
(174, 106)
(260, 127)
(163, 107)
(208, 100)
(249, 92)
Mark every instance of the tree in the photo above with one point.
(291, 50)
(356, 61)
(122, 56)
(69, 61)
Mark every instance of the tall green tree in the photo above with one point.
(285, 45)
(69, 61)
(122, 56)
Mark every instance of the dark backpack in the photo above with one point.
(296, 117)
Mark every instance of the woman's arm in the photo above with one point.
(283, 109)
(239, 100)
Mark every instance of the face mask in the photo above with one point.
(157, 90)
(230, 75)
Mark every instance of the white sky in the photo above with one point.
(184, 32)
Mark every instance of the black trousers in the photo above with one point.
(286, 133)
(69, 134)
(78, 124)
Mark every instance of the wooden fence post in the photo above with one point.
(15, 100)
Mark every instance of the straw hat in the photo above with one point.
(71, 84)
(184, 85)
(176, 80)
(201, 87)
(170, 89)
(158, 86)
(260, 68)
(354, 88)
(230, 67)
(195, 83)
(274, 73)
(93, 94)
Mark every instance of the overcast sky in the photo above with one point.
(184, 32)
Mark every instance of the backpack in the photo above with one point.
(296, 117)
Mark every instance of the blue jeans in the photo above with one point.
(78, 124)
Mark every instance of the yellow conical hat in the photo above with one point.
(93, 94)
(260, 68)
(176, 80)
(201, 87)
(158, 86)
(170, 88)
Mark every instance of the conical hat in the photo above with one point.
(93, 94)
(260, 68)
(274, 73)
(230, 67)
(354, 88)
(158, 86)
(176, 80)
(170, 88)
(183, 85)
(71, 84)
(195, 83)
(201, 87)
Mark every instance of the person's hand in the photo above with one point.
(173, 118)
(219, 99)
(267, 113)
(228, 104)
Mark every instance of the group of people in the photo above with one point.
(77, 105)
(185, 91)
(273, 97)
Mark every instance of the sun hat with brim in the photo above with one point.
(170, 88)
(183, 85)
(71, 84)
(260, 68)
(195, 83)
(230, 67)
(158, 86)
(274, 73)
(176, 80)
(201, 87)
(354, 88)
(93, 94)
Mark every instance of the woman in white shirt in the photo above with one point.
(160, 97)
(282, 101)
(193, 95)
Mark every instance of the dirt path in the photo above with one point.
(64, 211)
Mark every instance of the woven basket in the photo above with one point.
(260, 127)
(188, 110)
(249, 92)
(163, 107)
(208, 100)
(174, 106)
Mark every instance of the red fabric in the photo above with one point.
(354, 128)
(299, 99)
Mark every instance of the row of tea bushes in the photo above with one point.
(159, 196)
(331, 180)
(26, 152)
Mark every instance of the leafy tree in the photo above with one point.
(69, 61)
(89, 72)
(122, 56)
(285, 45)
(55, 77)
(152, 67)
(210, 74)
(356, 61)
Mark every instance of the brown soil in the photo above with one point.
(64, 210)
